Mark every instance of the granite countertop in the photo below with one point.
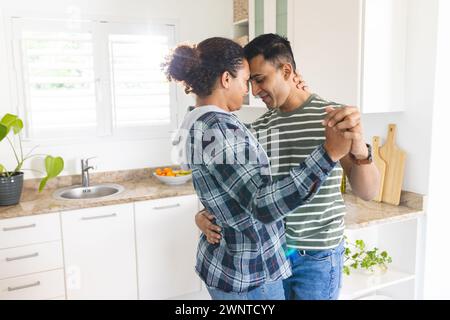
(362, 213)
(141, 185)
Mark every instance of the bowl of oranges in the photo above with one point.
(171, 176)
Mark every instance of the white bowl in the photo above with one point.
(173, 181)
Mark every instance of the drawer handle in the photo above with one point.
(20, 227)
(33, 255)
(100, 217)
(167, 207)
(35, 284)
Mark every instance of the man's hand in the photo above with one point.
(211, 231)
(348, 121)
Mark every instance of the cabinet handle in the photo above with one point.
(20, 227)
(100, 217)
(35, 284)
(33, 255)
(167, 207)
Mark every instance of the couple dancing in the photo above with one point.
(273, 222)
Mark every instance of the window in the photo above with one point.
(93, 78)
(140, 91)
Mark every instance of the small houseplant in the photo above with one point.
(357, 255)
(11, 182)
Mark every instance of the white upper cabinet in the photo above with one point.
(383, 55)
(353, 51)
(99, 253)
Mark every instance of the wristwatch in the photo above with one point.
(368, 160)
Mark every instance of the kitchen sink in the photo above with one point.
(92, 192)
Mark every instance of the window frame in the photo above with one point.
(105, 131)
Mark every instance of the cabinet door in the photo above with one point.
(99, 253)
(166, 240)
(384, 56)
(327, 49)
(353, 51)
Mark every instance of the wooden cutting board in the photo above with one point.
(381, 165)
(395, 167)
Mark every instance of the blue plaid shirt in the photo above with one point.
(247, 204)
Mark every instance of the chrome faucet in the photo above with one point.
(85, 167)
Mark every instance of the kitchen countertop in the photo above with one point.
(362, 213)
(141, 185)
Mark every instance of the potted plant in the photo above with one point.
(372, 262)
(11, 182)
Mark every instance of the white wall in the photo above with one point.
(437, 260)
(197, 20)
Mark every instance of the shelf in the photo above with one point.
(243, 22)
(359, 284)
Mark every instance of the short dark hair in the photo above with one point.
(272, 47)
(199, 66)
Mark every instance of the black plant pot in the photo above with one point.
(11, 189)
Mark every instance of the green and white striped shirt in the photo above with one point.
(288, 138)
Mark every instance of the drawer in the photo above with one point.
(30, 259)
(28, 230)
(39, 286)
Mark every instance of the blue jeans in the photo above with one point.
(316, 274)
(268, 291)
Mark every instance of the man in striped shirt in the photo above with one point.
(289, 131)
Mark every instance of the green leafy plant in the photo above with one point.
(12, 125)
(357, 255)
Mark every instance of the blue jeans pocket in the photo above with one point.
(320, 255)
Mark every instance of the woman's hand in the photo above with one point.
(300, 83)
(210, 230)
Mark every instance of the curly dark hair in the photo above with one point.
(199, 66)
(273, 47)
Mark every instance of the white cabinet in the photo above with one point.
(99, 253)
(166, 240)
(383, 56)
(31, 262)
(353, 51)
(137, 250)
